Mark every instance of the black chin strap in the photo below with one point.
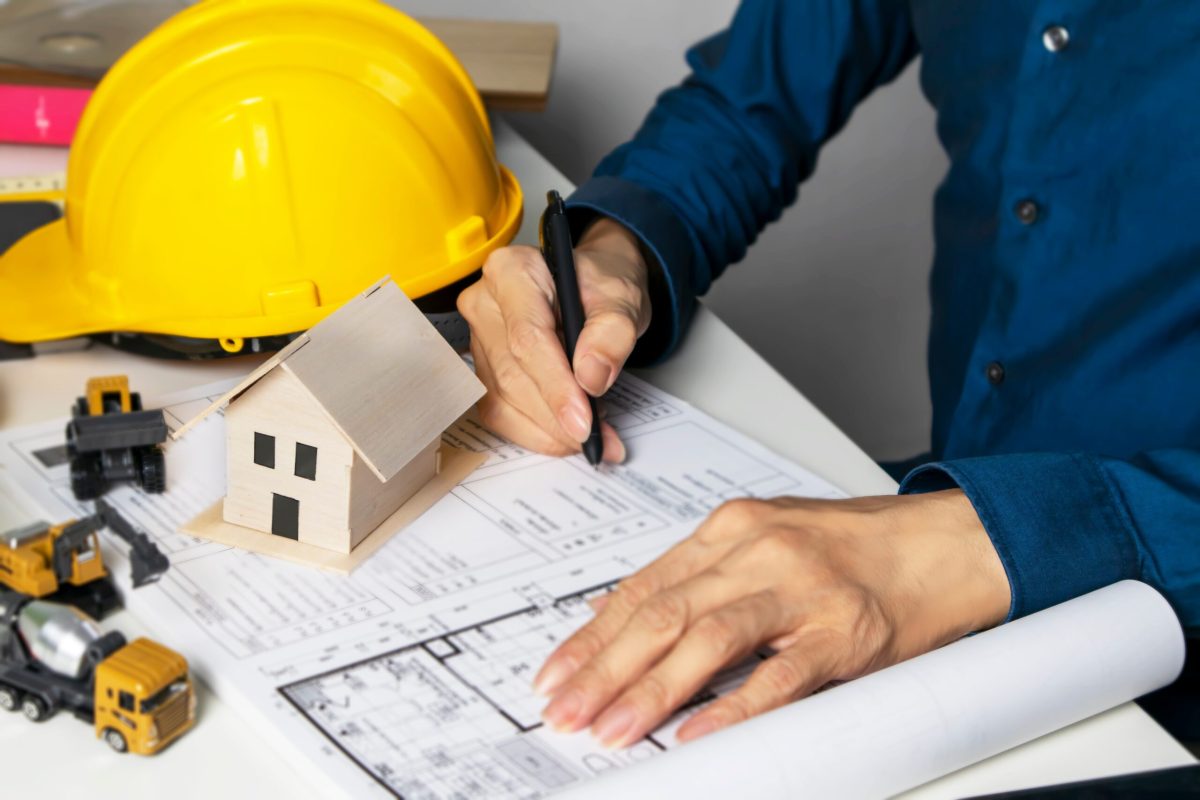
(438, 307)
(453, 328)
(11, 352)
(450, 325)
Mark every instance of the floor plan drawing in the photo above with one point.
(410, 677)
(454, 716)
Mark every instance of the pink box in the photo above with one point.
(40, 114)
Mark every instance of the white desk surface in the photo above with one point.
(715, 370)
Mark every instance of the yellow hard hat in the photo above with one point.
(252, 164)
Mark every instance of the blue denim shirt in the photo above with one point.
(1065, 346)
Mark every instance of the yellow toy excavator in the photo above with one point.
(64, 562)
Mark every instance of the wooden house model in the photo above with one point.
(327, 439)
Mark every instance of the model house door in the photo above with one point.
(285, 516)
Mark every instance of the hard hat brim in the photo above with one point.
(42, 297)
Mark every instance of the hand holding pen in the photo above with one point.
(537, 397)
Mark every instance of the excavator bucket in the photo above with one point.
(150, 569)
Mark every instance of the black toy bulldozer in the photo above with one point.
(110, 438)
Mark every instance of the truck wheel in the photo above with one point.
(152, 471)
(34, 709)
(116, 740)
(87, 477)
(10, 698)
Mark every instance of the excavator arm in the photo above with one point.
(147, 561)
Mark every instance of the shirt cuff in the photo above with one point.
(1055, 519)
(666, 244)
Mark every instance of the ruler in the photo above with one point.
(48, 188)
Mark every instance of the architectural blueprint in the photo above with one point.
(410, 678)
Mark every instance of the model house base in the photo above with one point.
(210, 524)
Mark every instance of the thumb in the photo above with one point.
(607, 339)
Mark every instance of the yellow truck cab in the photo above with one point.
(144, 698)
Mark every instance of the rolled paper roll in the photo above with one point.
(908, 724)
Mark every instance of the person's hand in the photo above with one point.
(535, 398)
(837, 588)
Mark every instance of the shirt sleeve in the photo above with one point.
(1066, 524)
(721, 155)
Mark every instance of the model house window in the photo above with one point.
(306, 461)
(264, 450)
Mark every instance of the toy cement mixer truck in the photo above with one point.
(54, 657)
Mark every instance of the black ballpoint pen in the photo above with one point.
(557, 248)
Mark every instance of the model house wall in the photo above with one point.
(371, 502)
(279, 409)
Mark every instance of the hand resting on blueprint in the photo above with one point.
(837, 588)
(535, 398)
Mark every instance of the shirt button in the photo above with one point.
(995, 373)
(1026, 212)
(1055, 38)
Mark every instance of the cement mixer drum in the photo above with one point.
(58, 636)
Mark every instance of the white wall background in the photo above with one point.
(834, 295)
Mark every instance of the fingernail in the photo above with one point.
(575, 422)
(697, 726)
(595, 375)
(614, 726)
(552, 676)
(563, 710)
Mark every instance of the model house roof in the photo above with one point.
(382, 373)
